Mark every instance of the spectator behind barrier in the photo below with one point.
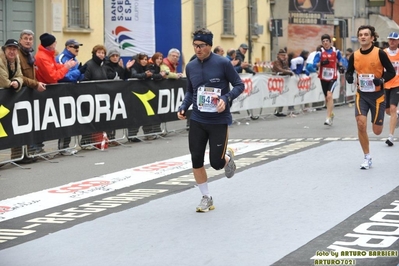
(114, 65)
(170, 64)
(70, 52)
(47, 69)
(240, 56)
(231, 55)
(155, 68)
(27, 61)
(95, 70)
(298, 63)
(309, 67)
(74, 74)
(218, 50)
(139, 71)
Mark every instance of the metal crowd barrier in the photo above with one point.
(51, 150)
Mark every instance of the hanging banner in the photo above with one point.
(129, 26)
(266, 91)
(308, 20)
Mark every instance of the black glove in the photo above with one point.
(83, 68)
(324, 62)
(378, 82)
(341, 69)
(349, 78)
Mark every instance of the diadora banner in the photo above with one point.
(65, 109)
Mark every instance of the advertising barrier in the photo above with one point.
(73, 109)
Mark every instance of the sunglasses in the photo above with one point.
(200, 46)
(74, 46)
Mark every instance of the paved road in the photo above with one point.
(298, 198)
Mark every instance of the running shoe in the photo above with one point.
(328, 122)
(389, 141)
(279, 114)
(230, 168)
(366, 164)
(68, 152)
(205, 205)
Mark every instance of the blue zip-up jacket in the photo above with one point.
(73, 74)
(237, 67)
(217, 72)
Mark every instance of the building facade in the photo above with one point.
(65, 19)
(229, 20)
(348, 16)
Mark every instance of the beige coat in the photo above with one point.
(4, 73)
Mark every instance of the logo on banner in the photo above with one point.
(145, 98)
(122, 37)
(3, 112)
(276, 87)
(250, 88)
(247, 86)
(304, 86)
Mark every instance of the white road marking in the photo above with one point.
(45, 199)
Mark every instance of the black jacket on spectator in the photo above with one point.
(241, 57)
(95, 69)
(138, 71)
(155, 70)
(115, 71)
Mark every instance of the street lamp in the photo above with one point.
(249, 31)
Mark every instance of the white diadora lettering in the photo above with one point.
(98, 107)
(167, 102)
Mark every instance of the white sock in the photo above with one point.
(204, 189)
(367, 156)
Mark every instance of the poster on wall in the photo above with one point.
(308, 20)
(129, 27)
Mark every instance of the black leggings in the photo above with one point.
(198, 137)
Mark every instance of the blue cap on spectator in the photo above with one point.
(393, 35)
(72, 42)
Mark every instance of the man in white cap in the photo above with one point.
(392, 86)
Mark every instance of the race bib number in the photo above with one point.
(366, 82)
(396, 66)
(208, 98)
(327, 73)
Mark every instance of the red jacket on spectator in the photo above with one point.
(47, 69)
